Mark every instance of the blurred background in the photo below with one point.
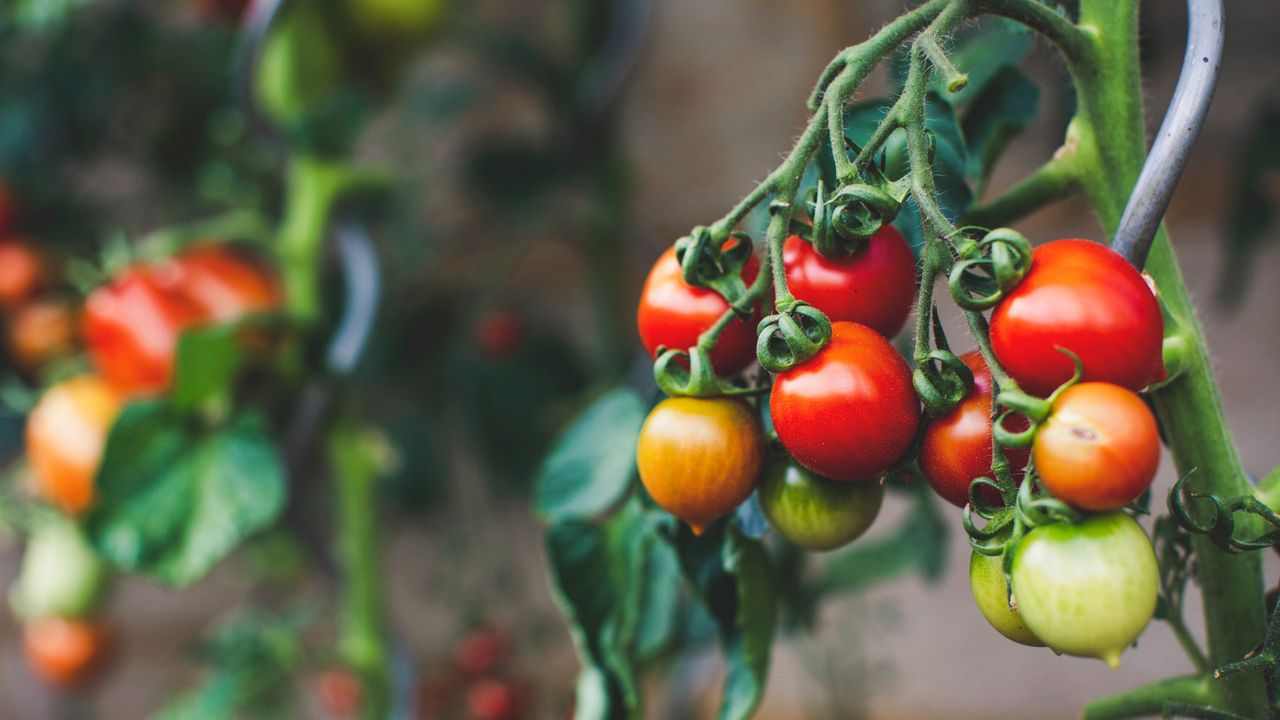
(541, 163)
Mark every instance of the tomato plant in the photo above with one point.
(1087, 589)
(673, 314)
(815, 513)
(1100, 447)
(848, 413)
(874, 286)
(699, 459)
(1083, 297)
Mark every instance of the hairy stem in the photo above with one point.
(1151, 699)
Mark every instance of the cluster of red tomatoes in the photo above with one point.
(130, 329)
(849, 415)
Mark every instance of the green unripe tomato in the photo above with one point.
(816, 513)
(1087, 589)
(986, 581)
(61, 575)
(300, 66)
(397, 20)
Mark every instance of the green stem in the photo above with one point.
(1109, 135)
(1151, 699)
(362, 621)
(1051, 182)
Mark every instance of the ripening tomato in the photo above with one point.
(700, 458)
(65, 653)
(221, 282)
(131, 327)
(956, 448)
(673, 314)
(1099, 448)
(1087, 589)
(990, 593)
(338, 690)
(1086, 298)
(61, 575)
(815, 513)
(66, 434)
(850, 412)
(875, 286)
(494, 700)
(22, 271)
(41, 331)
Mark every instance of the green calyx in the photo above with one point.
(708, 263)
(791, 336)
(942, 380)
(989, 268)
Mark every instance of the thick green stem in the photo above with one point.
(1108, 133)
(1050, 182)
(362, 620)
(1150, 699)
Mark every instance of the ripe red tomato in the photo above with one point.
(700, 458)
(875, 286)
(673, 314)
(131, 327)
(22, 271)
(66, 434)
(956, 448)
(1100, 447)
(494, 700)
(65, 653)
(40, 331)
(221, 282)
(1083, 297)
(850, 412)
(338, 690)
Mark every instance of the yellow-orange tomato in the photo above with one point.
(40, 331)
(1099, 448)
(22, 270)
(700, 458)
(65, 653)
(66, 434)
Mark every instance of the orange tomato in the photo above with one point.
(40, 331)
(65, 653)
(22, 270)
(66, 434)
(223, 283)
(1099, 448)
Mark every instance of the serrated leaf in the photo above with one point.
(1008, 105)
(593, 462)
(205, 364)
(174, 500)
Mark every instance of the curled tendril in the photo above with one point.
(681, 373)
(843, 221)
(989, 268)
(1036, 510)
(791, 336)
(1219, 525)
(942, 380)
(706, 263)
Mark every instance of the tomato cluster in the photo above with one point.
(844, 417)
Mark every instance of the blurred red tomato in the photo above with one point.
(481, 651)
(40, 331)
(338, 690)
(495, 700)
(223, 283)
(65, 653)
(499, 334)
(22, 270)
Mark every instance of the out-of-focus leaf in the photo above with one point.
(594, 461)
(174, 499)
(1256, 198)
(983, 54)
(205, 364)
(920, 543)
(1007, 106)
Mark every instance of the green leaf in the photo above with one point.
(732, 578)
(1007, 106)
(919, 543)
(593, 462)
(205, 364)
(175, 499)
(983, 54)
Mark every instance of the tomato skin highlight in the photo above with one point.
(850, 412)
(22, 271)
(1089, 589)
(64, 653)
(1100, 447)
(987, 583)
(65, 437)
(815, 513)
(875, 286)
(673, 314)
(1083, 297)
(956, 448)
(222, 283)
(700, 458)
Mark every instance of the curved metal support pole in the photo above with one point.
(363, 279)
(1178, 132)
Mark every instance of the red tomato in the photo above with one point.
(40, 331)
(481, 651)
(66, 433)
(1084, 297)
(850, 412)
(65, 653)
(22, 270)
(956, 448)
(339, 691)
(494, 700)
(131, 328)
(875, 286)
(1100, 447)
(673, 314)
(222, 283)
